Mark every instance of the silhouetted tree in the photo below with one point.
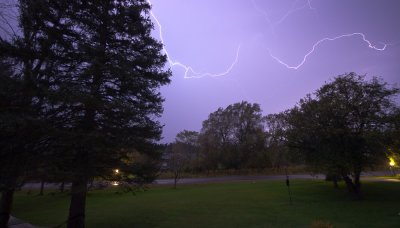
(139, 169)
(182, 155)
(112, 90)
(23, 131)
(189, 141)
(393, 136)
(9, 127)
(214, 139)
(340, 130)
(235, 136)
(93, 70)
(278, 152)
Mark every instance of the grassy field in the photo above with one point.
(245, 204)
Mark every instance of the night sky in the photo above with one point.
(266, 42)
(254, 50)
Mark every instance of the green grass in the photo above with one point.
(244, 204)
(238, 172)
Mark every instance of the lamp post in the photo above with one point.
(391, 165)
(115, 183)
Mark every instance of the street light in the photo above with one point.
(115, 183)
(392, 164)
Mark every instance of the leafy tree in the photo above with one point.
(393, 152)
(138, 169)
(278, 151)
(189, 141)
(215, 139)
(341, 129)
(235, 136)
(183, 154)
(249, 137)
(178, 160)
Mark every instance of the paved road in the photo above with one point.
(366, 176)
(236, 178)
(369, 176)
(201, 180)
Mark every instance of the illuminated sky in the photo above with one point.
(347, 36)
(272, 52)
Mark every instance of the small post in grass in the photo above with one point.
(288, 186)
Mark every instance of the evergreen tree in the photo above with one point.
(90, 73)
(107, 87)
(22, 82)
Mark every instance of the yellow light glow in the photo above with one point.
(116, 171)
(115, 183)
(392, 163)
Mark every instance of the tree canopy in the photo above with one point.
(341, 128)
(234, 137)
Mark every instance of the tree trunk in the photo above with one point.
(349, 183)
(353, 188)
(5, 207)
(91, 184)
(76, 218)
(335, 182)
(176, 175)
(357, 186)
(62, 186)
(41, 188)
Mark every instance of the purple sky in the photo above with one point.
(206, 34)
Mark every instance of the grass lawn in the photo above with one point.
(244, 204)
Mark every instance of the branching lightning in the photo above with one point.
(189, 71)
(309, 5)
(328, 39)
(265, 14)
(293, 10)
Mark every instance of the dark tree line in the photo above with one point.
(347, 126)
(235, 137)
(236, 132)
(78, 95)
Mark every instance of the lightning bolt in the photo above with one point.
(362, 35)
(189, 71)
(309, 5)
(292, 10)
(265, 14)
